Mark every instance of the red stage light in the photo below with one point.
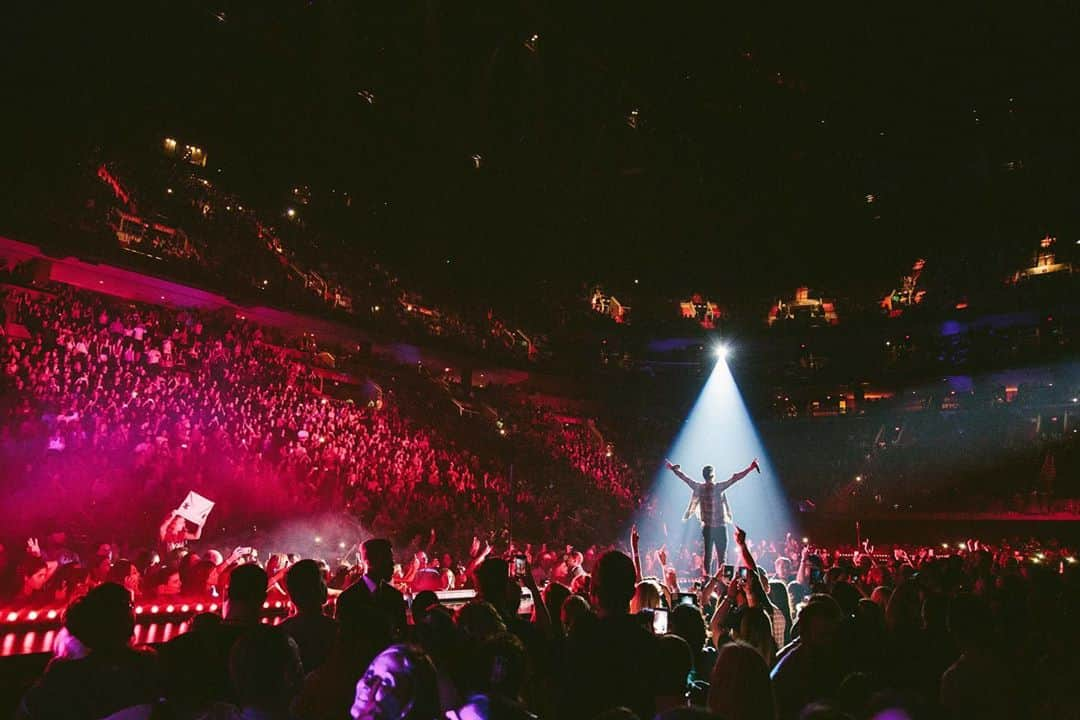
(199, 607)
(12, 616)
(51, 615)
(32, 615)
(153, 609)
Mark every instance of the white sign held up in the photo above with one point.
(195, 508)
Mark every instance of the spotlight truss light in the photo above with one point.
(721, 351)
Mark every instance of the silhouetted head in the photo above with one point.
(613, 582)
(103, 619)
(305, 585)
(378, 558)
(247, 590)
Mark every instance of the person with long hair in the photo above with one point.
(174, 534)
(739, 687)
(399, 684)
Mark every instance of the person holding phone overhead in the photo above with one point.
(707, 499)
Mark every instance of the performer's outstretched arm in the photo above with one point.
(739, 475)
(681, 475)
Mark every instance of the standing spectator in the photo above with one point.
(374, 586)
(812, 667)
(978, 684)
(739, 685)
(264, 666)
(608, 661)
(113, 677)
(313, 632)
(243, 611)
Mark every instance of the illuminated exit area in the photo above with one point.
(720, 432)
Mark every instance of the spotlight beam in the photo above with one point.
(719, 431)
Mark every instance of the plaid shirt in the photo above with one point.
(711, 500)
(779, 627)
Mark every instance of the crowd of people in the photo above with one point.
(586, 451)
(113, 411)
(106, 400)
(785, 631)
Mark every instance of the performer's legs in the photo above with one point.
(720, 537)
(706, 535)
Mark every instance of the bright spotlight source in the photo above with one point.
(719, 431)
(721, 351)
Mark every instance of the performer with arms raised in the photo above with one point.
(708, 499)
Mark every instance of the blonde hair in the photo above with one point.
(647, 596)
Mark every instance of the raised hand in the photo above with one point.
(634, 537)
(32, 547)
(661, 555)
(740, 536)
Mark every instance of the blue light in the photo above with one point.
(720, 432)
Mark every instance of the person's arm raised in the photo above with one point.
(479, 557)
(715, 582)
(756, 586)
(541, 616)
(677, 469)
(744, 550)
(740, 475)
(635, 555)
(803, 575)
(722, 609)
(164, 529)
